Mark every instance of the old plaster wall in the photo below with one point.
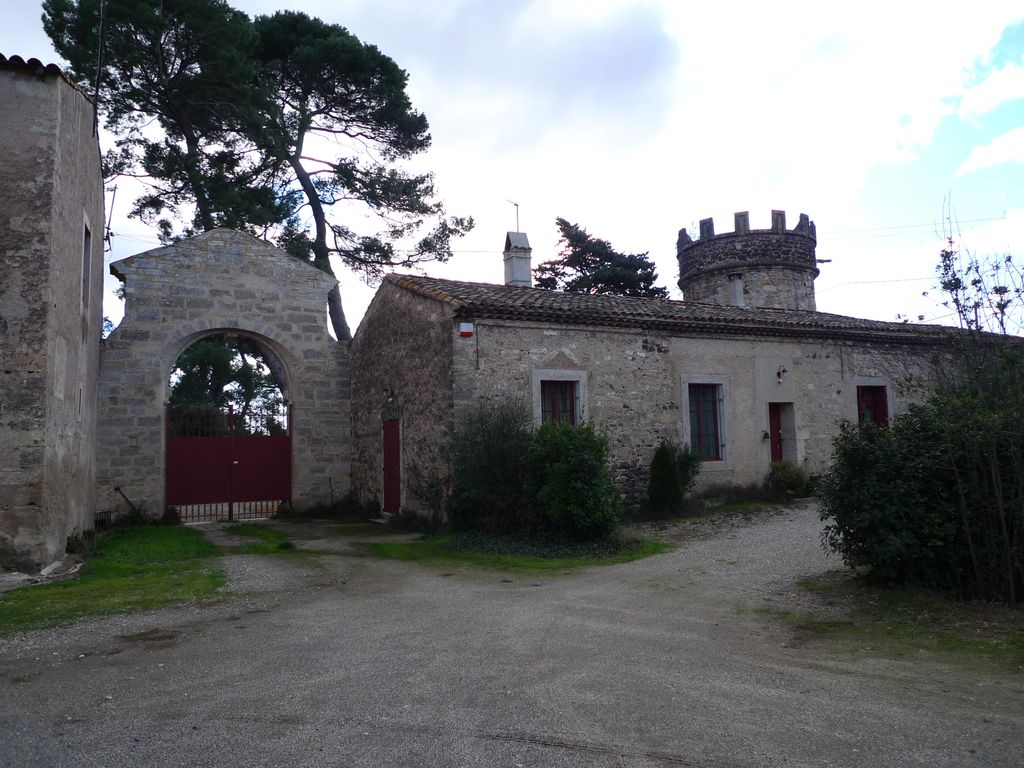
(50, 292)
(402, 368)
(220, 282)
(636, 385)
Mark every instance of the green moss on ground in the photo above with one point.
(133, 569)
(514, 553)
(901, 622)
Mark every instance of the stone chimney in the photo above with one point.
(518, 260)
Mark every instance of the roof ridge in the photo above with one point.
(37, 66)
(495, 301)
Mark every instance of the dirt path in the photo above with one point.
(358, 662)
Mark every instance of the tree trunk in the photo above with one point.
(338, 315)
(321, 253)
(203, 210)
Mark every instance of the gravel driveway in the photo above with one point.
(349, 661)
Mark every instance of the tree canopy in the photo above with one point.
(587, 264)
(217, 372)
(284, 126)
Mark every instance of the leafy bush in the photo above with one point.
(937, 499)
(785, 479)
(673, 474)
(491, 446)
(689, 467)
(571, 487)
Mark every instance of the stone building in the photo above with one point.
(745, 374)
(745, 371)
(51, 243)
(220, 283)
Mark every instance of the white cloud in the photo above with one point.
(999, 87)
(637, 118)
(996, 238)
(1008, 148)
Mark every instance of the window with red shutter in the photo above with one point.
(873, 405)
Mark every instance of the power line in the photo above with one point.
(901, 229)
(874, 282)
(144, 239)
(917, 226)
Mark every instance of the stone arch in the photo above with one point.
(278, 359)
(219, 282)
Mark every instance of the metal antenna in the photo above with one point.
(517, 211)
(107, 234)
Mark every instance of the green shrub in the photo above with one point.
(673, 474)
(571, 486)
(888, 503)
(491, 446)
(689, 467)
(785, 479)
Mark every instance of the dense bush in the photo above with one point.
(888, 502)
(785, 479)
(937, 499)
(673, 474)
(491, 444)
(571, 487)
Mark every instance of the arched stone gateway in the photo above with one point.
(221, 283)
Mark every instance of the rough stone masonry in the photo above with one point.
(221, 282)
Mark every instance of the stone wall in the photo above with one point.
(775, 267)
(401, 368)
(777, 287)
(636, 385)
(220, 282)
(51, 320)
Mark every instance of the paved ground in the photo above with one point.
(348, 661)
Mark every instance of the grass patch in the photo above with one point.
(513, 553)
(269, 541)
(901, 622)
(133, 569)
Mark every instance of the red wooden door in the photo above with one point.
(775, 429)
(392, 467)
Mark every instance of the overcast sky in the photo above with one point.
(635, 119)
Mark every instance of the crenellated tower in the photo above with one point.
(772, 268)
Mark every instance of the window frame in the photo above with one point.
(560, 400)
(877, 388)
(721, 383)
(86, 262)
(558, 374)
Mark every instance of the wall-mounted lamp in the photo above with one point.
(765, 435)
(390, 394)
(780, 373)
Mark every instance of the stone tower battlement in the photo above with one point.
(772, 267)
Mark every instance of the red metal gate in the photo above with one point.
(222, 466)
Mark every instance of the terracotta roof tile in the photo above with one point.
(37, 67)
(503, 302)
